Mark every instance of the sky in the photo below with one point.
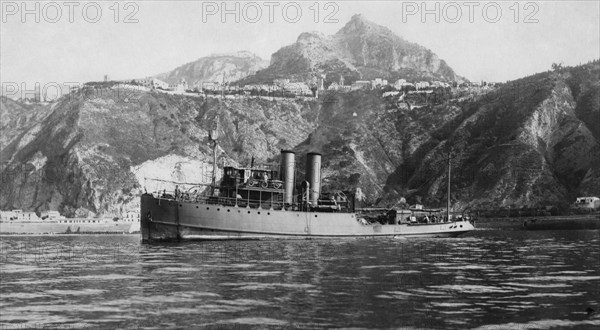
(67, 42)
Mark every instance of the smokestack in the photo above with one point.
(287, 171)
(313, 175)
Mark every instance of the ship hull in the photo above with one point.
(169, 220)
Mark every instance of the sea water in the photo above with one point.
(487, 279)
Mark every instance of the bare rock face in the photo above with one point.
(17, 117)
(216, 68)
(527, 143)
(360, 50)
(91, 153)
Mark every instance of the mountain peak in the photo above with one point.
(308, 37)
(358, 24)
(361, 49)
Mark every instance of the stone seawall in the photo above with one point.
(62, 228)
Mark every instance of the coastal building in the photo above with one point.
(234, 88)
(422, 85)
(321, 84)
(18, 215)
(361, 84)
(275, 88)
(210, 86)
(152, 83)
(334, 87)
(298, 88)
(52, 215)
(159, 84)
(7, 215)
(439, 84)
(130, 216)
(378, 82)
(249, 87)
(591, 203)
(180, 87)
(281, 82)
(400, 83)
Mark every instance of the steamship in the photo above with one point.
(258, 202)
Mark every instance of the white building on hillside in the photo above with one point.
(281, 82)
(298, 88)
(18, 215)
(152, 83)
(440, 84)
(52, 215)
(592, 203)
(399, 84)
(130, 216)
(210, 86)
(422, 85)
(180, 87)
(361, 84)
(378, 82)
(333, 87)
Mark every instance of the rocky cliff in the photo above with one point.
(216, 68)
(90, 154)
(533, 142)
(360, 50)
(530, 143)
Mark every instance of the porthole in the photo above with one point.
(460, 226)
(180, 205)
(228, 210)
(258, 212)
(315, 215)
(248, 212)
(218, 209)
(207, 208)
(268, 213)
(196, 206)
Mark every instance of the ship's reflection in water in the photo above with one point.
(487, 279)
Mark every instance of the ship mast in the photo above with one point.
(448, 195)
(213, 136)
(448, 199)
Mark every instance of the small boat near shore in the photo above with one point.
(572, 222)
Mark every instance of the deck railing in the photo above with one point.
(201, 193)
(246, 202)
(225, 201)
